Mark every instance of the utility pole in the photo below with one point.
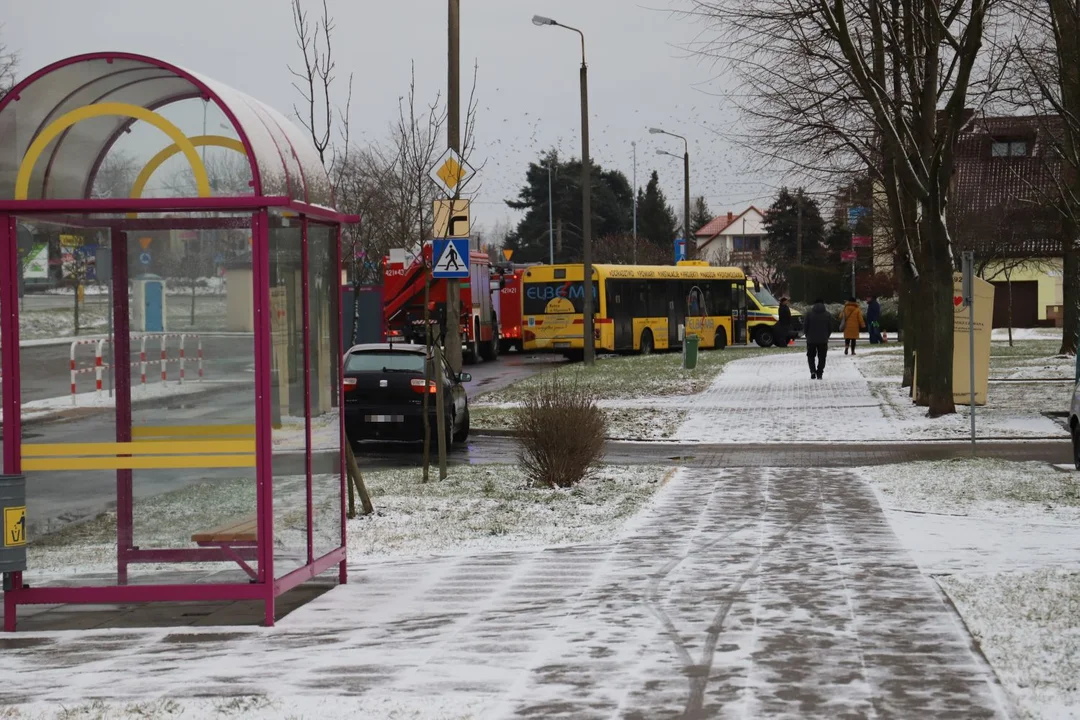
(686, 202)
(589, 342)
(453, 132)
(634, 145)
(551, 220)
(586, 209)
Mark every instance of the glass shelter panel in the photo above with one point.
(191, 359)
(287, 394)
(68, 423)
(324, 357)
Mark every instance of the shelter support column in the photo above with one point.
(337, 353)
(260, 268)
(9, 376)
(121, 368)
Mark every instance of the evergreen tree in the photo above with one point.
(781, 229)
(700, 215)
(656, 219)
(612, 209)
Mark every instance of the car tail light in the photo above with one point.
(418, 386)
(350, 384)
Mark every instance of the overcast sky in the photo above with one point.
(639, 75)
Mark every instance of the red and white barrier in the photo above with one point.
(100, 365)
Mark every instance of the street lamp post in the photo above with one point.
(686, 186)
(551, 220)
(586, 198)
(634, 145)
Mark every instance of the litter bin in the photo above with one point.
(13, 520)
(689, 352)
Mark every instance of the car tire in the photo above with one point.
(720, 342)
(462, 433)
(646, 346)
(764, 337)
(1076, 443)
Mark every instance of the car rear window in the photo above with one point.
(380, 360)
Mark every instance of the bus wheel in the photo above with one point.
(646, 346)
(721, 339)
(764, 337)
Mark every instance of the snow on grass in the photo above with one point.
(1028, 626)
(979, 488)
(644, 397)
(1003, 541)
(493, 507)
(1012, 411)
(60, 322)
(633, 376)
(624, 423)
(325, 433)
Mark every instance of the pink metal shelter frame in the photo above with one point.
(287, 166)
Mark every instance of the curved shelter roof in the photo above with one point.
(58, 125)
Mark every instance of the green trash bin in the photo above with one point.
(689, 352)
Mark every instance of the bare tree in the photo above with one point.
(9, 65)
(116, 176)
(879, 83)
(1046, 83)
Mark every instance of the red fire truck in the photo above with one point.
(403, 304)
(506, 297)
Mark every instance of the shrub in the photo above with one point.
(561, 432)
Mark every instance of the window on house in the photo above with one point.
(1009, 148)
(745, 243)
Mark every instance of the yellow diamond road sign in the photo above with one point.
(451, 172)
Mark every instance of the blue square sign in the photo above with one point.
(451, 258)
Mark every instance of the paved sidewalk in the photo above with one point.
(738, 593)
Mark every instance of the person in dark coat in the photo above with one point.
(873, 320)
(817, 326)
(782, 329)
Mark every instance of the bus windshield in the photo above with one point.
(764, 297)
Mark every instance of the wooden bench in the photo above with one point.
(237, 533)
(234, 532)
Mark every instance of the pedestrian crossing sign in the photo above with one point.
(452, 258)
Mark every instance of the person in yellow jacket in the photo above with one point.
(851, 322)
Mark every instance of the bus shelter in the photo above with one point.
(187, 443)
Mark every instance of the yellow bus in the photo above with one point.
(638, 308)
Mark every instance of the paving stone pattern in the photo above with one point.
(741, 593)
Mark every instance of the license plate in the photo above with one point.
(562, 344)
(384, 418)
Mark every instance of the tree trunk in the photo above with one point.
(909, 326)
(934, 297)
(1009, 316)
(1070, 288)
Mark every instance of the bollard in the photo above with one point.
(13, 519)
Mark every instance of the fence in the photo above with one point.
(163, 360)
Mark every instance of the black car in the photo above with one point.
(384, 394)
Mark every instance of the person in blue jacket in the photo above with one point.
(873, 320)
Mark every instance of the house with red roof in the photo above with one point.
(735, 239)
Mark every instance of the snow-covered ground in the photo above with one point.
(1003, 541)
(484, 508)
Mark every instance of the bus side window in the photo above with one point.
(721, 297)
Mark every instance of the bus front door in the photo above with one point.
(738, 314)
